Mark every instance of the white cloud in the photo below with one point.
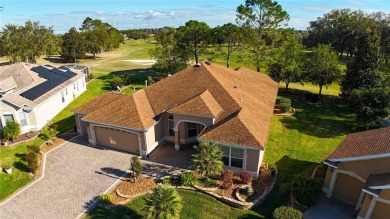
(100, 13)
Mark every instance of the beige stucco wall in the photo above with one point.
(364, 168)
(252, 160)
(366, 203)
(381, 211)
(328, 177)
(385, 194)
(347, 189)
(6, 108)
(204, 120)
(117, 139)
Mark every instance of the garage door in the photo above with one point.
(347, 189)
(117, 139)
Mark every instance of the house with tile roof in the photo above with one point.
(32, 95)
(206, 102)
(358, 173)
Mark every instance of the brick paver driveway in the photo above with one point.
(75, 175)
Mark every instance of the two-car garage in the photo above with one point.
(117, 139)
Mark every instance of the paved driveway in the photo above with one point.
(75, 175)
(329, 209)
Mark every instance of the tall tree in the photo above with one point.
(288, 60)
(195, 37)
(163, 203)
(371, 105)
(73, 46)
(364, 72)
(323, 68)
(260, 18)
(170, 56)
(54, 46)
(228, 38)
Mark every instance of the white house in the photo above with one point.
(32, 95)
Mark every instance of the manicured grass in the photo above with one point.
(298, 143)
(331, 90)
(14, 156)
(195, 205)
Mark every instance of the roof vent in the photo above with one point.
(197, 65)
(169, 75)
(208, 62)
(235, 87)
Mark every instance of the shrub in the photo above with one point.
(127, 79)
(116, 82)
(32, 161)
(150, 80)
(53, 130)
(305, 190)
(12, 130)
(264, 170)
(246, 177)
(91, 76)
(106, 198)
(286, 212)
(166, 181)
(285, 104)
(227, 179)
(33, 149)
(136, 166)
(211, 182)
(187, 179)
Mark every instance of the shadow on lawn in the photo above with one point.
(328, 119)
(280, 194)
(138, 76)
(114, 212)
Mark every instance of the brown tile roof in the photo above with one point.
(97, 103)
(202, 105)
(247, 99)
(378, 180)
(362, 144)
(132, 111)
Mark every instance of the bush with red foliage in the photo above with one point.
(227, 179)
(246, 177)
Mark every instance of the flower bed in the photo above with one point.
(128, 189)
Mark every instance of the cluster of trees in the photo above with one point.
(93, 37)
(29, 42)
(137, 34)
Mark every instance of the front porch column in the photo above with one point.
(332, 183)
(177, 139)
(359, 203)
(371, 208)
(92, 127)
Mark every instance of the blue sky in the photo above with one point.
(158, 13)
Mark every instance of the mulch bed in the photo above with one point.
(24, 137)
(128, 187)
(278, 111)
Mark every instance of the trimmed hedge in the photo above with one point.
(285, 104)
(286, 212)
(306, 191)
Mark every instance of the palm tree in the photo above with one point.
(208, 160)
(164, 203)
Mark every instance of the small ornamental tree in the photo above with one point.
(286, 212)
(285, 104)
(187, 179)
(12, 130)
(163, 203)
(136, 167)
(305, 190)
(116, 82)
(208, 159)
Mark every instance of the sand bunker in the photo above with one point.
(141, 61)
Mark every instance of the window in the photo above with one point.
(66, 91)
(232, 157)
(63, 96)
(83, 80)
(170, 126)
(192, 129)
(74, 86)
(8, 117)
(77, 85)
(22, 117)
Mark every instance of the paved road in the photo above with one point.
(75, 175)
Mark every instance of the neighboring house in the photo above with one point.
(359, 173)
(32, 95)
(206, 102)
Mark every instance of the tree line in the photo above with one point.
(29, 42)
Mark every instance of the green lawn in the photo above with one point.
(14, 156)
(195, 205)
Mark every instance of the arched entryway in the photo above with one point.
(187, 131)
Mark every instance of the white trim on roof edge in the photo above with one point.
(368, 192)
(232, 145)
(361, 158)
(331, 165)
(380, 187)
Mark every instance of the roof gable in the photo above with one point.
(202, 105)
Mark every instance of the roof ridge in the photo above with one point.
(226, 91)
(136, 106)
(204, 102)
(253, 135)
